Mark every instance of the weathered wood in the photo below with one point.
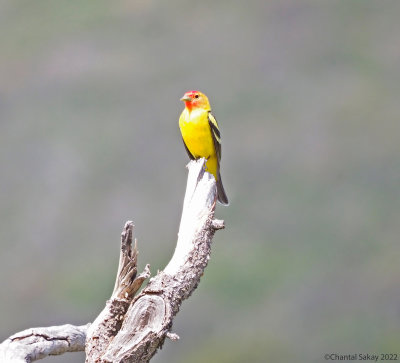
(37, 343)
(149, 318)
(131, 329)
(109, 321)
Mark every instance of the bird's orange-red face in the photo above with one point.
(195, 99)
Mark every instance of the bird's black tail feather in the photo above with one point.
(222, 198)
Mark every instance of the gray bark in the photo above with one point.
(131, 328)
(148, 320)
(37, 343)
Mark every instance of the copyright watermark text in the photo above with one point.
(362, 357)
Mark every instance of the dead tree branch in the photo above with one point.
(109, 321)
(131, 329)
(149, 318)
(37, 343)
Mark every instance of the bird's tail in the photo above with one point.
(222, 198)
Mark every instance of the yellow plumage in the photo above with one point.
(201, 136)
(196, 134)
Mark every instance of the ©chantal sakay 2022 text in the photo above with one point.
(366, 357)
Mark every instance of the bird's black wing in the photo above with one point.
(216, 135)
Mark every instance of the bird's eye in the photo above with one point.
(197, 96)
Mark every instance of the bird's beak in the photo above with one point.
(186, 98)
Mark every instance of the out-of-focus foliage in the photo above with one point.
(307, 97)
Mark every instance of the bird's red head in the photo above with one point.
(196, 99)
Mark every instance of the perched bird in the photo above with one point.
(201, 135)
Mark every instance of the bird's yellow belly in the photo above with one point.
(197, 136)
(199, 141)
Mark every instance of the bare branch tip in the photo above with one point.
(128, 227)
(173, 336)
(146, 272)
(218, 224)
(196, 161)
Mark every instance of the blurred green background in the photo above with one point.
(307, 97)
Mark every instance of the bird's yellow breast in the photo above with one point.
(196, 133)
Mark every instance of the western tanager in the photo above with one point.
(201, 135)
